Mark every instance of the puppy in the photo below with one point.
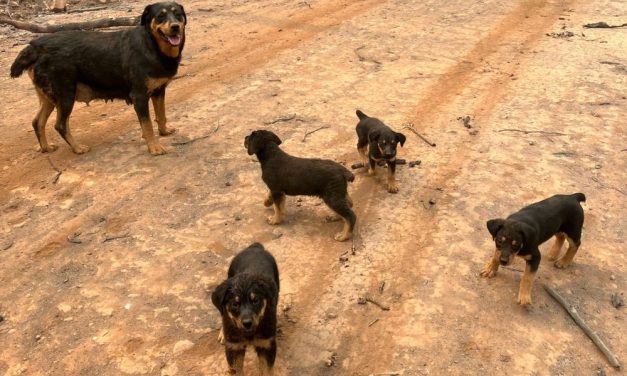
(287, 175)
(522, 232)
(135, 65)
(380, 142)
(247, 301)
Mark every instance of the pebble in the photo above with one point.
(183, 345)
(276, 233)
(65, 308)
(6, 244)
(612, 277)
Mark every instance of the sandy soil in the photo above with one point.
(107, 270)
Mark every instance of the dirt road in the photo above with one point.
(107, 270)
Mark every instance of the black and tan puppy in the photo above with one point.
(135, 65)
(522, 232)
(247, 301)
(376, 142)
(288, 175)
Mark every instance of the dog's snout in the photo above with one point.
(175, 28)
(504, 259)
(247, 323)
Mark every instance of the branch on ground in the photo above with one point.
(87, 25)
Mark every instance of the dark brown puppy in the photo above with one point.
(287, 175)
(380, 142)
(522, 232)
(135, 65)
(247, 301)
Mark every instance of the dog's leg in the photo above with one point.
(554, 252)
(567, 259)
(349, 200)
(278, 200)
(268, 201)
(363, 152)
(158, 104)
(64, 109)
(266, 357)
(235, 359)
(491, 267)
(342, 208)
(39, 122)
(221, 336)
(526, 283)
(392, 185)
(372, 165)
(140, 103)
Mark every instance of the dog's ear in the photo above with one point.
(494, 225)
(527, 233)
(401, 138)
(274, 138)
(374, 135)
(219, 295)
(146, 15)
(253, 143)
(184, 15)
(271, 290)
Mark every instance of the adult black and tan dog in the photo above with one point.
(135, 65)
(375, 142)
(288, 175)
(522, 232)
(247, 301)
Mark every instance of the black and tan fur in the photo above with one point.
(247, 301)
(288, 175)
(377, 142)
(522, 233)
(135, 65)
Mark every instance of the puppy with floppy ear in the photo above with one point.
(521, 234)
(247, 302)
(288, 175)
(375, 142)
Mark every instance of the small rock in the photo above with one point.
(6, 244)
(238, 217)
(183, 345)
(612, 277)
(431, 201)
(344, 258)
(600, 372)
(617, 302)
(1, 318)
(228, 184)
(473, 132)
(532, 143)
(276, 233)
(127, 306)
(415, 163)
(598, 166)
(65, 308)
(38, 337)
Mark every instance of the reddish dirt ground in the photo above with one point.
(107, 270)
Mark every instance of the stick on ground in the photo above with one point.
(412, 128)
(310, 132)
(87, 25)
(589, 332)
(55, 180)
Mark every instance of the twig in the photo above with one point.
(381, 287)
(87, 25)
(593, 336)
(602, 25)
(363, 58)
(281, 119)
(367, 298)
(411, 127)
(512, 269)
(55, 180)
(178, 143)
(529, 132)
(397, 373)
(373, 322)
(605, 186)
(114, 237)
(315, 130)
(82, 10)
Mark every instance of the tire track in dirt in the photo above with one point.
(521, 28)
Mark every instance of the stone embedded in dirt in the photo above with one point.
(6, 244)
(183, 345)
(617, 302)
(415, 163)
(1, 318)
(355, 166)
(228, 184)
(431, 201)
(65, 308)
(276, 233)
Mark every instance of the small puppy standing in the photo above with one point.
(134, 64)
(247, 301)
(522, 232)
(288, 175)
(381, 143)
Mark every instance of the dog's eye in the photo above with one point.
(235, 304)
(254, 299)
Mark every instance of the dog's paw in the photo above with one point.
(371, 172)
(524, 299)
(156, 149)
(341, 236)
(488, 271)
(272, 220)
(166, 131)
(80, 149)
(48, 149)
(393, 188)
(561, 264)
(221, 336)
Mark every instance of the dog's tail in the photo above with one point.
(349, 176)
(580, 197)
(24, 60)
(361, 115)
